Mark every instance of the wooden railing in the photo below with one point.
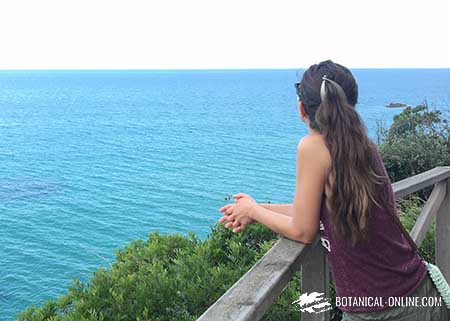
(253, 294)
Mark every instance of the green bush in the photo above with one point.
(418, 140)
(167, 277)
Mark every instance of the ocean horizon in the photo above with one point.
(92, 159)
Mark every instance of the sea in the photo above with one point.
(93, 159)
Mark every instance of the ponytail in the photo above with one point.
(357, 186)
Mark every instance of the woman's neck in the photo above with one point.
(313, 132)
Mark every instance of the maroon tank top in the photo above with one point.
(384, 266)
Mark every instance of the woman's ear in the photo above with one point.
(301, 109)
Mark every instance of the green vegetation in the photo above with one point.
(167, 277)
(176, 277)
(417, 140)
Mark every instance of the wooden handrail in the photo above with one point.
(428, 212)
(253, 294)
(420, 181)
(250, 297)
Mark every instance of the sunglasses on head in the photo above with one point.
(297, 89)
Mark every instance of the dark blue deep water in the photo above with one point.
(90, 160)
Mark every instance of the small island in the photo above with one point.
(393, 105)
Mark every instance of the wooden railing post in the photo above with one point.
(443, 235)
(315, 276)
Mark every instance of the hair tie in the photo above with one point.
(322, 87)
(323, 91)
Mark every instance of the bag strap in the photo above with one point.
(405, 232)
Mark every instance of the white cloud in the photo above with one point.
(222, 34)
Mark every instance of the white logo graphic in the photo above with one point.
(326, 244)
(323, 239)
(313, 302)
(321, 227)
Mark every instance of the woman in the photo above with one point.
(344, 193)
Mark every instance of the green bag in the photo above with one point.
(440, 282)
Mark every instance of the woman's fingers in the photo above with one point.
(229, 210)
(228, 216)
(229, 224)
(240, 195)
(225, 218)
(224, 208)
(230, 219)
(236, 226)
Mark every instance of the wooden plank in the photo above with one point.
(316, 278)
(428, 212)
(253, 294)
(443, 236)
(417, 182)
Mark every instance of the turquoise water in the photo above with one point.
(90, 160)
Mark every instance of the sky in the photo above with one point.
(228, 34)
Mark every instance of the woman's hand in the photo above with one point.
(230, 224)
(237, 215)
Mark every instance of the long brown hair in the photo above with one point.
(329, 94)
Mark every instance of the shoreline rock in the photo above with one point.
(396, 105)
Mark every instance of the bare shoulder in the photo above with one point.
(314, 147)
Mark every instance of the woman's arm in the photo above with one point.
(285, 209)
(311, 171)
(279, 223)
